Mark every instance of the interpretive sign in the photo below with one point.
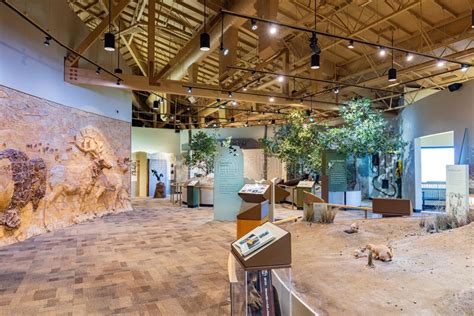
(228, 180)
(457, 190)
(334, 165)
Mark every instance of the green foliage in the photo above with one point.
(296, 144)
(364, 132)
(202, 150)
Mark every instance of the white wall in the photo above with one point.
(155, 140)
(438, 113)
(29, 66)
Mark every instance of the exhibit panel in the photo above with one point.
(59, 165)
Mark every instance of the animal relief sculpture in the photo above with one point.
(22, 181)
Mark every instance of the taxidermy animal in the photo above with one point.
(377, 252)
(158, 176)
(353, 229)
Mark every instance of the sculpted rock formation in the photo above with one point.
(29, 185)
(69, 164)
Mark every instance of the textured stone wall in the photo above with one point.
(58, 165)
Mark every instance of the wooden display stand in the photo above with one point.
(255, 209)
(392, 207)
(303, 186)
(274, 255)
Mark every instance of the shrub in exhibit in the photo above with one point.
(202, 150)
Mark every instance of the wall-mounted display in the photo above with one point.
(58, 165)
(457, 191)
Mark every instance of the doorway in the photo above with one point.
(432, 154)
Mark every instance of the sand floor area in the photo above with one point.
(431, 274)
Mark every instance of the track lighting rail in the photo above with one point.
(339, 37)
(52, 38)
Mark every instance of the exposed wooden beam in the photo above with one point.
(98, 31)
(81, 76)
(151, 40)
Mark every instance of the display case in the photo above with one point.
(260, 272)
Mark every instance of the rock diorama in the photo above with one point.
(58, 165)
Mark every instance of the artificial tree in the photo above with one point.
(296, 144)
(365, 132)
(202, 150)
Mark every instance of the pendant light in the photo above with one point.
(223, 49)
(109, 38)
(118, 70)
(205, 39)
(392, 72)
(313, 43)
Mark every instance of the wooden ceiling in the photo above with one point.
(438, 27)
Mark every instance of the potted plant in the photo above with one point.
(202, 149)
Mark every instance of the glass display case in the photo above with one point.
(260, 272)
(261, 292)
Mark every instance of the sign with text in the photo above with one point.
(228, 180)
(334, 166)
(457, 190)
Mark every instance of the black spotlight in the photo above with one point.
(109, 42)
(232, 119)
(156, 104)
(392, 74)
(454, 87)
(118, 71)
(308, 112)
(47, 39)
(315, 61)
(98, 70)
(218, 100)
(273, 121)
(205, 42)
(254, 25)
(190, 90)
(229, 94)
(118, 81)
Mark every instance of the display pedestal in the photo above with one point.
(260, 281)
(303, 186)
(254, 211)
(192, 194)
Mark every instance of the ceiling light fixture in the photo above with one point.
(47, 39)
(118, 70)
(190, 89)
(336, 90)
(440, 63)
(464, 67)
(409, 57)
(205, 39)
(273, 29)
(301, 101)
(223, 49)
(472, 19)
(234, 103)
(271, 99)
(218, 100)
(118, 81)
(156, 104)
(245, 88)
(382, 51)
(311, 119)
(315, 61)
(98, 71)
(254, 25)
(109, 37)
(246, 124)
(351, 44)
(281, 78)
(229, 94)
(392, 72)
(273, 121)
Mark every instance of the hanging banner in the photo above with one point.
(228, 180)
(334, 166)
(457, 190)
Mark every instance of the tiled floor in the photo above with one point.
(156, 260)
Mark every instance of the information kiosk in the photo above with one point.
(255, 209)
(260, 272)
